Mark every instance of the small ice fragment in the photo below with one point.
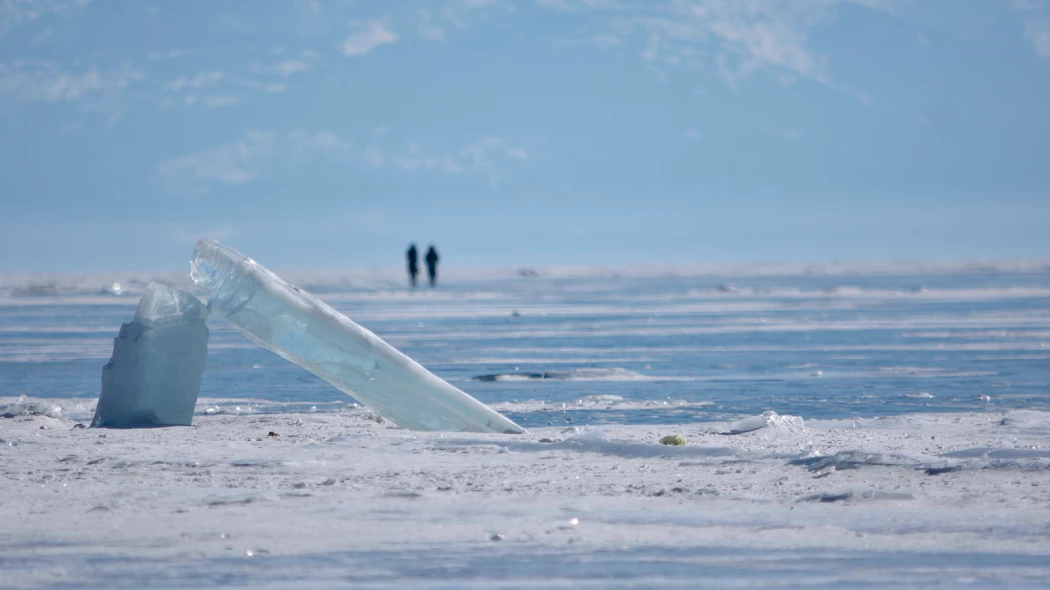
(792, 424)
(748, 424)
(309, 333)
(24, 407)
(154, 375)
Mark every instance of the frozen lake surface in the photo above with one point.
(633, 349)
(924, 461)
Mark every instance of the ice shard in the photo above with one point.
(154, 375)
(306, 331)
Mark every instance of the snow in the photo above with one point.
(154, 375)
(337, 498)
(309, 333)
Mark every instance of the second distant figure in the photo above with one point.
(432, 265)
(413, 264)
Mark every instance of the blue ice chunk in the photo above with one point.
(154, 375)
(306, 331)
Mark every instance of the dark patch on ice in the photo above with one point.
(989, 453)
(501, 376)
(181, 463)
(231, 501)
(144, 424)
(254, 462)
(584, 374)
(856, 495)
(942, 470)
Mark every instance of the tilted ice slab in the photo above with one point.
(154, 376)
(306, 331)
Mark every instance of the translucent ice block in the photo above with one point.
(306, 331)
(154, 375)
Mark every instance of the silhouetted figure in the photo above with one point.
(432, 264)
(413, 264)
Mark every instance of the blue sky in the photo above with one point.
(327, 134)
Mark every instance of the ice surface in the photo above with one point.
(154, 375)
(306, 331)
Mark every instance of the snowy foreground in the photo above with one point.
(338, 499)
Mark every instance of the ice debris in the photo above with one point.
(768, 418)
(154, 375)
(306, 331)
(24, 407)
(852, 460)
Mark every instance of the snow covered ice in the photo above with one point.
(338, 500)
(306, 331)
(154, 375)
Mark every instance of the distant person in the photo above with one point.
(413, 264)
(432, 264)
